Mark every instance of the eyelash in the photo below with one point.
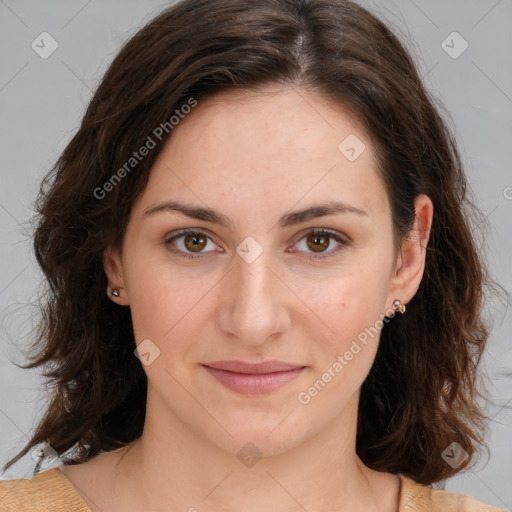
(332, 235)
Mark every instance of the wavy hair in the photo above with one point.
(422, 392)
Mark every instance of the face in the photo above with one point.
(254, 283)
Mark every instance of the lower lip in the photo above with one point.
(254, 384)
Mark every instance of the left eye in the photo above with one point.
(318, 240)
(191, 241)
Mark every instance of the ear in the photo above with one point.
(114, 271)
(410, 265)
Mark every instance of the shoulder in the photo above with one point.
(48, 491)
(415, 497)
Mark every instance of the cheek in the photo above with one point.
(352, 299)
(168, 310)
(159, 295)
(352, 308)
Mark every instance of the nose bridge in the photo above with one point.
(251, 309)
(255, 276)
(252, 270)
(253, 284)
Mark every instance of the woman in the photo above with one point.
(264, 291)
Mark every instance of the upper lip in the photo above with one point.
(253, 368)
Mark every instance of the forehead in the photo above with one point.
(270, 148)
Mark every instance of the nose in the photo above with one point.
(254, 302)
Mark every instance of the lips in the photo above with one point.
(253, 368)
(253, 379)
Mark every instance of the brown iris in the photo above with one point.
(195, 242)
(321, 240)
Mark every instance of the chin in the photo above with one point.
(258, 437)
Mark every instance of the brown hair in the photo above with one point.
(421, 393)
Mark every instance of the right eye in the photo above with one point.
(189, 242)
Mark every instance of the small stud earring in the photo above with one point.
(114, 292)
(399, 306)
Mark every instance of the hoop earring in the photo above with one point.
(399, 306)
(114, 292)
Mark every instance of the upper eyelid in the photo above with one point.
(189, 231)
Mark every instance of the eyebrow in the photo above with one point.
(288, 219)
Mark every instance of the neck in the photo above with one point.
(186, 471)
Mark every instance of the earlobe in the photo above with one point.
(411, 259)
(116, 289)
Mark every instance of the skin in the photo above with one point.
(255, 156)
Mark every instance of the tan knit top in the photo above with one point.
(52, 491)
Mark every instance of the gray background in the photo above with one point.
(42, 101)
